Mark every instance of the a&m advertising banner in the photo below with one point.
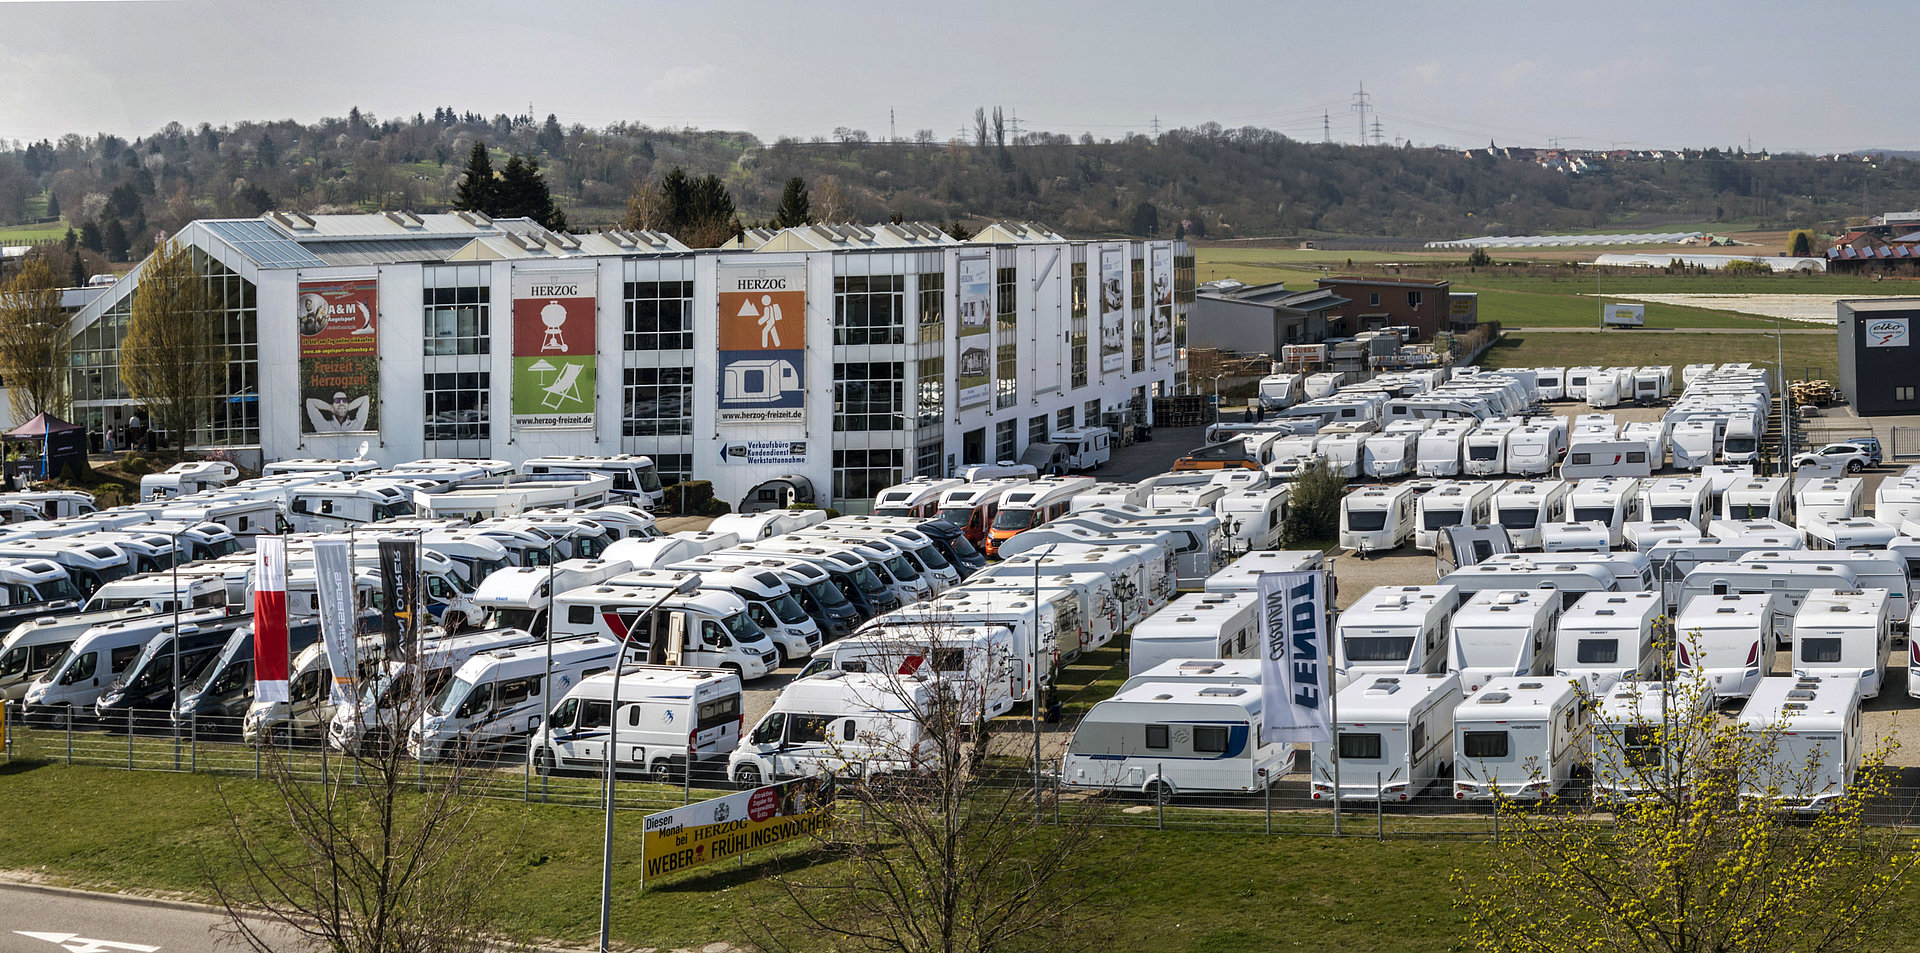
(339, 355)
(553, 349)
(763, 342)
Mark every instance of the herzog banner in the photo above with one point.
(339, 355)
(763, 345)
(976, 330)
(333, 574)
(1296, 681)
(554, 356)
(722, 827)
(1112, 298)
(1160, 302)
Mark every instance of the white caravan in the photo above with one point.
(1604, 455)
(1164, 739)
(1757, 498)
(1376, 519)
(1462, 503)
(1678, 499)
(1198, 625)
(766, 524)
(1552, 382)
(1873, 568)
(1440, 448)
(1536, 448)
(1394, 629)
(1517, 737)
(1828, 498)
(1691, 443)
(192, 476)
(1575, 538)
(1486, 448)
(1143, 568)
(1860, 532)
(1533, 572)
(1243, 574)
(1636, 725)
(1897, 500)
(1254, 518)
(1729, 638)
(1503, 632)
(1390, 454)
(667, 716)
(1844, 635)
(498, 698)
(1606, 637)
(1653, 434)
(1608, 387)
(1810, 729)
(1395, 738)
(1524, 507)
(840, 723)
(1612, 502)
(1342, 451)
(1280, 391)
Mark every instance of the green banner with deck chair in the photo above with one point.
(553, 350)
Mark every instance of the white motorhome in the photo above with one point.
(631, 475)
(1045, 625)
(328, 469)
(1393, 630)
(159, 592)
(101, 654)
(1517, 737)
(1810, 730)
(1460, 503)
(1198, 625)
(705, 628)
(339, 506)
(1741, 443)
(919, 496)
(1829, 498)
(975, 662)
(1603, 455)
(1030, 505)
(1168, 738)
(1143, 568)
(766, 524)
(499, 697)
(1524, 507)
(35, 645)
(1440, 448)
(1376, 519)
(1499, 632)
(406, 683)
(192, 476)
(667, 716)
(1844, 635)
(1729, 638)
(1606, 637)
(843, 723)
(770, 602)
(1395, 738)
(1612, 502)
(1280, 391)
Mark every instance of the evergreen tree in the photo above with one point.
(268, 151)
(477, 184)
(113, 240)
(795, 207)
(76, 270)
(53, 206)
(90, 237)
(552, 140)
(70, 240)
(523, 193)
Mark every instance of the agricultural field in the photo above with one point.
(1807, 356)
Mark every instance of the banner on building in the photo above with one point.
(339, 355)
(1160, 305)
(1887, 332)
(763, 341)
(1112, 299)
(399, 577)
(976, 330)
(333, 576)
(780, 452)
(687, 837)
(1296, 679)
(270, 619)
(554, 356)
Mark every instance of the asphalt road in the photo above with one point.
(43, 921)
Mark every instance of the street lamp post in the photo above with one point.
(689, 584)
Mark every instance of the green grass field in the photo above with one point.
(1806, 355)
(32, 233)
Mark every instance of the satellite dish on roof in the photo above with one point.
(362, 455)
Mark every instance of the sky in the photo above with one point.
(1781, 76)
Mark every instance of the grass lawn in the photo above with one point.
(33, 233)
(168, 830)
(1634, 348)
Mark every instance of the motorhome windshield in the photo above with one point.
(896, 511)
(450, 697)
(867, 581)
(901, 568)
(515, 618)
(1519, 517)
(930, 557)
(1366, 521)
(385, 688)
(826, 593)
(1012, 518)
(787, 609)
(1378, 648)
(956, 515)
(57, 590)
(1593, 514)
(742, 628)
(650, 480)
(1736, 444)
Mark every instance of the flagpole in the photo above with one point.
(1333, 700)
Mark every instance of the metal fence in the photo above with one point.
(1905, 444)
(151, 741)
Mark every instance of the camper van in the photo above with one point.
(1169, 738)
(843, 723)
(1829, 498)
(1034, 504)
(499, 697)
(705, 628)
(98, 656)
(1503, 632)
(1810, 729)
(1393, 630)
(34, 645)
(633, 476)
(1198, 625)
(1729, 638)
(1459, 503)
(919, 496)
(973, 507)
(1635, 731)
(1606, 637)
(1376, 519)
(976, 662)
(667, 716)
(1524, 507)
(1440, 448)
(1741, 443)
(1395, 737)
(408, 683)
(1610, 501)
(1517, 737)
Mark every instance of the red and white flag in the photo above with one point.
(270, 619)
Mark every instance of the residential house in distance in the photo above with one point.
(1385, 302)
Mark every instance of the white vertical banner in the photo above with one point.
(1295, 678)
(333, 574)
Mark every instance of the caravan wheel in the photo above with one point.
(543, 763)
(1158, 790)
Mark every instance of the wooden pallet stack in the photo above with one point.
(1811, 393)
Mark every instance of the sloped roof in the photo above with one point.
(1015, 233)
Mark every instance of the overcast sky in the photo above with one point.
(1786, 75)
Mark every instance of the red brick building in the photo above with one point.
(1383, 302)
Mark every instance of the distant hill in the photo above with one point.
(1207, 182)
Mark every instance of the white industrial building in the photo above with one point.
(849, 355)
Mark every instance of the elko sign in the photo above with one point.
(1888, 332)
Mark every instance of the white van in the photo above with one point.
(1607, 637)
(1829, 498)
(499, 697)
(1741, 443)
(1518, 736)
(705, 629)
(409, 683)
(919, 496)
(1810, 727)
(843, 723)
(1503, 632)
(35, 645)
(769, 600)
(1393, 630)
(666, 716)
(1395, 737)
(1844, 635)
(98, 656)
(976, 662)
(1523, 507)
(631, 475)
(1460, 503)
(1612, 502)
(1729, 638)
(1168, 738)
(1376, 519)
(1198, 625)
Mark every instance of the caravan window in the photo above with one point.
(719, 712)
(1359, 747)
(1598, 651)
(1485, 744)
(1641, 747)
(848, 729)
(949, 660)
(1210, 739)
(1579, 459)
(517, 691)
(579, 615)
(1366, 521)
(1157, 737)
(1378, 648)
(1820, 650)
(1636, 456)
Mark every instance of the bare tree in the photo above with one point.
(34, 342)
(829, 201)
(980, 128)
(174, 357)
(944, 853)
(389, 856)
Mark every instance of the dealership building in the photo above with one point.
(852, 356)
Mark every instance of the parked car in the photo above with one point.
(1851, 455)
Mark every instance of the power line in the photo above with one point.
(1326, 127)
(1156, 126)
(1360, 107)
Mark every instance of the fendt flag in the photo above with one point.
(333, 572)
(270, 619)
(1296, 680)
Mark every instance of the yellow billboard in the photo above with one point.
(688, 837)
